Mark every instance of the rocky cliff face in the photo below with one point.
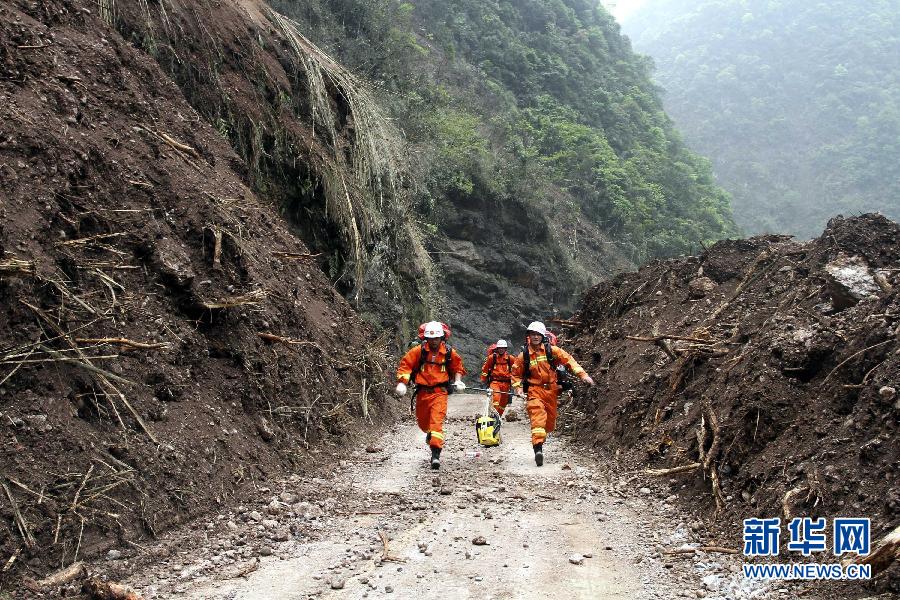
(501, 271)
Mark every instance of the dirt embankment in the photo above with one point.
(773, 362)
(137, 272)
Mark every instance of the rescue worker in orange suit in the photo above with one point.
(538, 378)
(497, 373)
(434, 368)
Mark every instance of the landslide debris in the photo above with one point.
(165, 340)
(765, 367)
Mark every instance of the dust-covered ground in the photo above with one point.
(576, 528)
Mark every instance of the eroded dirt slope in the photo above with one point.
(123, 215)
(799, 375)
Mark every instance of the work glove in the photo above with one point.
(400, 390)
(587, 379)
(459, 385)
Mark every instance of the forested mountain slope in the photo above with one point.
(541, 159)
(796, 103)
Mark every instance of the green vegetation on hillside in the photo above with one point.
(797, 103)
(518, 101)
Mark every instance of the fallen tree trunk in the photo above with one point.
(67, 575)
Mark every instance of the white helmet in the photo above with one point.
(537, 327)
(433, 329)
(501, 344)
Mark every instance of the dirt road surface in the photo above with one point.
(572, 529)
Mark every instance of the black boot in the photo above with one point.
(435, 458)
(539, 454)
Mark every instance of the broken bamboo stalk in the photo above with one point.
(12, 559)
(365, 400)
(183, 151)
(18, 366)
(178, 145)
(21, 523)
(295, 255)
(81, 487)
(251, 298)
(659, 338)
(124, 342)
(673, 470)
(566, 322)
(102, 376)
(82, 363)
(217, 248)
(86, 240)
(15, 266)
(133, 412)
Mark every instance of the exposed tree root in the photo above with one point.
(707, 457)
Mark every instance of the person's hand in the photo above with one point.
(587, 379)
(459, 385)
(400, 390)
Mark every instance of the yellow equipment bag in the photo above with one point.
(487, 426)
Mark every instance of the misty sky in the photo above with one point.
(622, 8)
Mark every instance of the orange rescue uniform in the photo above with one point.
(543, 392)
(499, 378)
(432, 381)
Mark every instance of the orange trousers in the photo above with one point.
(431, 409)
(541, 406)
(500, 400)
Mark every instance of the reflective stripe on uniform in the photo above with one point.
(533, 362)
(539, 431)
(437, 434)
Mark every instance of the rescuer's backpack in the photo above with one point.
(493, 363)
(562, 373)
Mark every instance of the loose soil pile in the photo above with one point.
(164, 340)
(773, 363)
